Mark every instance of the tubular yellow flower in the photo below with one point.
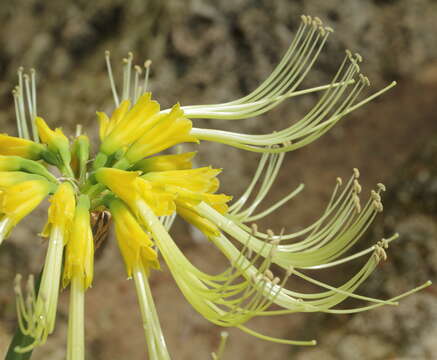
(9, 178)
(107, 124)
(39, 321)
(16, 163)
(127, 185)
(20, 199)
(10, 145)
(79, 256)
(170, 130)
(79, 156)
(78, 271)
(135, 245)
(56, 141)
(129, 125)
(166, 162)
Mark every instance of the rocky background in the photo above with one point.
(210, 51)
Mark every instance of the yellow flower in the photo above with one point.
(197, 180)
(125, 127)
(166, 162)
(107, 124)
(79, 255)
(170, 130)
(56, 141)
(127, 185)
(9, 178)
(38, 321)
(189, 214)
(135, 245)
(16, 163)
(78, 272)
(10, 145)
(18, 200)
(61, 211)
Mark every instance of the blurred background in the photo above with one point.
(209, 52)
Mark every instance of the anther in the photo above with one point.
(147, 63)
(357, 202)
(383, 243)
(375, 196)
(138, 69)
(318, 21)
(268, 273)
(17, 284)
(358, 57)
(381, 187)
(380, 253)
(276, 281)
(378, 206)
(254, 228)
(356, 173)
(357, 186)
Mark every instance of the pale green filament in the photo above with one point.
(228, 299)
(25, 96)
(31, 313)
(221, 349)
(332, 106)
(132, 86)
(281, 84)
(37, 318)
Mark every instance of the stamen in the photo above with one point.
(147, 65)
(111, 78)
(137, 86)
(223, 339)
(31, 314)
(127, 68)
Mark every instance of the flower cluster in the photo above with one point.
(137, 180)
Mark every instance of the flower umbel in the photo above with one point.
(135, 177)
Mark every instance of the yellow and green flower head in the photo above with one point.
(136, 178)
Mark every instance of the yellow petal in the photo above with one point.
(9, 178)
(55, 140)
(172, 129)
(128, 127)
(121, 183)
(103, 124)
(10, 145)
(166, 162)
(135, 245)
(20, 199)
(79, 253)
(199, 180)
(62, 208)
(187, 212)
